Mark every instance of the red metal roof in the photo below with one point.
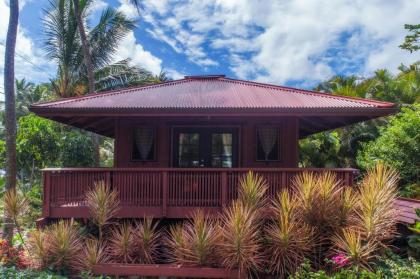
(211, 92)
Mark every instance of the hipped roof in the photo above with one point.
(213, 96)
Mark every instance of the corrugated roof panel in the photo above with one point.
(212, 92)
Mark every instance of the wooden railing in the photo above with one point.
(159, 192)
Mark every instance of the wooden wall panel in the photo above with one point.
(289, 128)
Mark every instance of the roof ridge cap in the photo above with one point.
(311, 92)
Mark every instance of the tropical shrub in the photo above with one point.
(289, 239)
(251, 190)
(398, 145)
(146, 240)
(12, 272)
(376, 216)
(240, 240)
(194, 242)
(12, 256)
(93, 252)
(352, 249)
(65, 245)
(39, 248)
(390, 267)
(103, 204)
(414, 238)
(121, 243)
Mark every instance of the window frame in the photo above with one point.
(154, 146)
(278, 145)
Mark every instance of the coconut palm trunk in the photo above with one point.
(89, 69)
(10, 109)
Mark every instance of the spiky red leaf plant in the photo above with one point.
(121, 243)
(176, 244)
(240, 242)
(39, 248)
(94, 252)
(251, 191)
(103, 204)
(146, 237)
(195, 242)
(289, 240)
(65, 245)
(376, 215)
(355, 250)
(325, 206)
(320, 200)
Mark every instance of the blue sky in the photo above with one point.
(296, 43)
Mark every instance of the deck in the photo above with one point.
(160, 192)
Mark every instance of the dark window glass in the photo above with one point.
(221, 150)
(189, 150)
(144, 143)
(268, 144)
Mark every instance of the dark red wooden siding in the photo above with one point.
(288, 137)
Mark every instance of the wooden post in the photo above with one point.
(46, 177)
(348, 179)
(164, 193)
(224, 189)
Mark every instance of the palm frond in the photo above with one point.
(105, 37)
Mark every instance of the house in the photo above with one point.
(184, 144)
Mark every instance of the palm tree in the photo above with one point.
(28, 93)
(89, 69)
(78, 52)
(10, 110)
(121, 74)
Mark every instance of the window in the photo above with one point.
(221, 150)
(189, 150)
(268, 144)
(144, 144)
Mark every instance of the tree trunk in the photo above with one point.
(89, 69)
(10, 122)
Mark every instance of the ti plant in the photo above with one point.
(103, 204)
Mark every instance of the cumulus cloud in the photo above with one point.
(283, 41)
(128, 48)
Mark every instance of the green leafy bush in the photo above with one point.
(398, 145)
(393, 267)
(11, 272)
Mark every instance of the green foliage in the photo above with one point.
(339, 148)
(305, 272)
(36, 144)
(320, 150)
(398, 145)
(394, 267)
(76, 148)
(412, 41)
(414, 239)
(13, 273)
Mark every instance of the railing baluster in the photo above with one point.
(164, 193)
(224, 187)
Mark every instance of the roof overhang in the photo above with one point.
(311, 120)
(213, 97)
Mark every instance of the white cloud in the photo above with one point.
(174, 74)
(138, 56)
(29, 60)
(280, 41)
